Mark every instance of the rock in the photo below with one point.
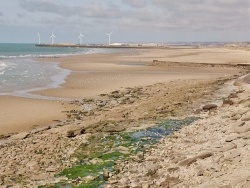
(244, 135)
(106, 175)
(232, 155)
(20, 136)
(113, 128)
(122, 148)
(226, 186)
(246, 117)
(40, 177)
(238, 124)
(240, 111)
(233, 95)
(189, 161)
(70, 134)
(236, 117)
(87, 179)
(200, 172)
(209, 107)
(95, 161)
(50, 169)
(151, 169)
(140, 155)
(241, 128)
(31, 164)
(246, 103)
(173, 169)
(231, 138)
(75, 132)
(170, 181)
(124, 180)
(228, 101)
(226, 147)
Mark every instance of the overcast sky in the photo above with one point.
(130, 20)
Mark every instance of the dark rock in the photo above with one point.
(233, 95)
(20, 136)
(74, 133)
(228, 101)
(173, 169)
(209, 107)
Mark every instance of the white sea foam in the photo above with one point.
(2, 67)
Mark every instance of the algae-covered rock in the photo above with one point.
(105, 126)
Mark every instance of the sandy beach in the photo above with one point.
(111, 93)
(95, 74)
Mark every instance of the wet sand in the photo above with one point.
(23, 114)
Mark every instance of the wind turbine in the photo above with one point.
(80, 37)
(109, 34)
(52, 37)
(39, 41)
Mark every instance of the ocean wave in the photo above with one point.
(2, 66)
(89, 51)
(35, 56)
(29, 56)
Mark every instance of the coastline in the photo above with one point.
(95, 74)
(110, 102)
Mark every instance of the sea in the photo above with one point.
(21, 71)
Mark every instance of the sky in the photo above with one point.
(130, 20)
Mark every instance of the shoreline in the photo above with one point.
(95, 74)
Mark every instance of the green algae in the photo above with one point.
(85, 170)
(106, 149)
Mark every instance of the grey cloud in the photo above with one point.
(137, 3)
(99, 10)
(1, 14)
(205, 14)
(163, 14)
(46, 6)
(21, 15)
(92, 10)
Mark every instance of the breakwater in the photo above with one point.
(100, 46)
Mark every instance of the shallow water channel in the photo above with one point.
(103, 152)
